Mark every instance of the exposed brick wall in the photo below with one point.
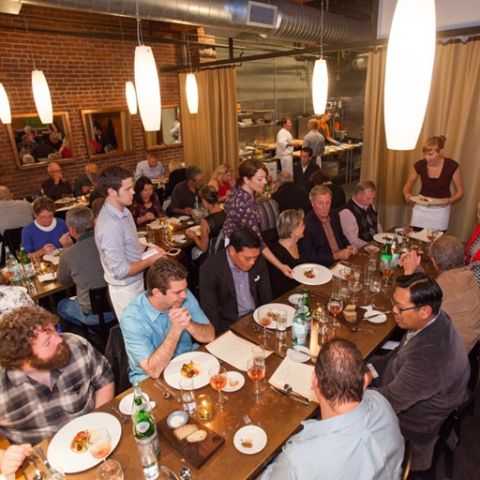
(83, 72)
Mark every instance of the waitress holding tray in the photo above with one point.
(436, 173)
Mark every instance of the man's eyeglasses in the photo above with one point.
(403, 309)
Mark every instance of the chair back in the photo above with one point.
(407, 460)
(117, 356)
(100, 302)
(12, 238)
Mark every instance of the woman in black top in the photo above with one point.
(290, 227)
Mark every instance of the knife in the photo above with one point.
(291, 395)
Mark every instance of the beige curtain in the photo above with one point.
(453, 110)
(210, 136)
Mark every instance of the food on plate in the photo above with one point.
(56, 253)
(189, 369)
(181, 433)
(246, 443)
(309, 273)
(350, 313)
(268, 318)
(387, 237)
(197, 436)
(80, 442)
(233, 382)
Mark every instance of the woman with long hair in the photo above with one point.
(222, 180)
(145, 207)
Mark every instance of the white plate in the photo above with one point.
(184, 218)
(178, 238)
(382, 318)
(173, 221)
(297, 355)
(321, 274)
(253, 433)
(294, 298)
(272, 306)
(384, 237)
(195, 229)
(232, 375)
(53, 256)
(126, 403)
(63, 458)
(204, 361)
(422, 200)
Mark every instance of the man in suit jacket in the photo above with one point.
(234, 281)
(426, 376)
(323, 240)
(303, 170)
(290, 195)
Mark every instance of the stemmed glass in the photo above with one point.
(387, 272)
(256, 369)
(321, 318)
(265, 319)
(354, 284)
(335, 307)
(218, 380)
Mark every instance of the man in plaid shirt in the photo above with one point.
(46, 380)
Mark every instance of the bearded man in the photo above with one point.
(46, 380)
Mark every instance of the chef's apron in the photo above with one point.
(432, 216)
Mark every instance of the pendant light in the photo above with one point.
(131, 96)
(41, 91)
(147, 84)
(320, 77)
(5, 113)
(191, 87)
(408, 74)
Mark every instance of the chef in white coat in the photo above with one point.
(285, 144)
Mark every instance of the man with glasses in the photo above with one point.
(426, 376)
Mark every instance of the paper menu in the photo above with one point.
(298, 375)
(233, 349)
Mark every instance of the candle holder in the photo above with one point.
(204, 407)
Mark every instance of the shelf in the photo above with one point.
(256, 125)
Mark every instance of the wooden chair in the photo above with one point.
(407, 461)
(12, 238)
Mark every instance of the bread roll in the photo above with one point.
(184, 431)
(197, 436)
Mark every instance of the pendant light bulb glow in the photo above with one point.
(41, 95)
(131, 96)
(191, 89)
(148, 88)
(319, 86)
(5, 113)
(408, 75)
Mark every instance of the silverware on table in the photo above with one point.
(166, 389)
(52, 474)
(291, 394)
(37, 474)
(296, 396)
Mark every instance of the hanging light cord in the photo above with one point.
(29, 43)
(139, 25)
(321, 28)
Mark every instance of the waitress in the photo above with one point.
(285, 144)
(436, 173)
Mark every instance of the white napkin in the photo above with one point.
(47, 277)
(233, 349)
(337, 269)
(422, 235)
(50, 257)
(298, 375)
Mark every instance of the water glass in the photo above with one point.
(110, 470)
(281, 322)
(187, 394)
(375, 283)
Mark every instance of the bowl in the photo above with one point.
(178, 418)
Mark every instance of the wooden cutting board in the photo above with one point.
(195, 453)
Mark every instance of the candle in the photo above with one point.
(204, 407)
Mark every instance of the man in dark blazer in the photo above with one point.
(323, 241)
(290, 195)
(303, 170)
(234, 281)
(426, 376)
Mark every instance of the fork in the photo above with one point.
(175, 397)
(37, 474)
(166, 395)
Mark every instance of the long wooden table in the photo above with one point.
(278, 415)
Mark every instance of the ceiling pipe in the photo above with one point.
(294, 23)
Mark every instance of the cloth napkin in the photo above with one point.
(233, 349)
(298, 375)
(47, 277)
(422, 235)
(336, 270)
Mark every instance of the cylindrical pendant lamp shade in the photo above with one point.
(408, 75)
(319, 86)
(131, 96)
(148, 88)
(191, 93)
(5, 113)
(41, 95)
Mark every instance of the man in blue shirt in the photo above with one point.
(358, 436)
(160, 323)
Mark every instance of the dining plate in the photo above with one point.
(375, 316)
(422, 200)
(235, 381)
(250, 439)
(173, 221)
(294, 298)
(384, 237)
(126, 403)
(59, 453)
(196, 229)
(312, 274)
(271, 307)
(184, 218)
(299, 354)
(202, 361)
(179, 238)
(53, 256)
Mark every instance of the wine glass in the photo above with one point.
(335, 307)
(110, 470)
(256, 371)
(321, 318)
(387, 271)
(218, 380)
(99, 443)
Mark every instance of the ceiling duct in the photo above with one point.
(294, 22)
